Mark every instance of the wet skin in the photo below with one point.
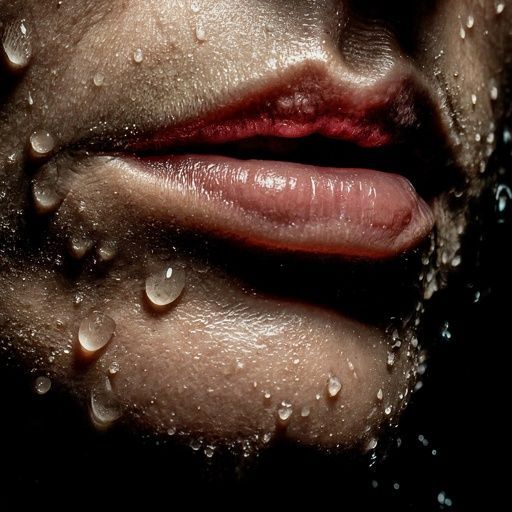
(275, 310)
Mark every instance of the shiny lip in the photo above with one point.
(348, 211)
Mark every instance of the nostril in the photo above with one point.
(400, 17)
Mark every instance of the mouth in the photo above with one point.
(307, 167)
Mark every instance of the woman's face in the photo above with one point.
(206, 227)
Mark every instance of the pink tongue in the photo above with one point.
(351, 212)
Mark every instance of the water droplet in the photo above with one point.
(105, 408)
(95, 331)
(391, 359)
(267, 437)
(267, 395)
(45, 190)
(195, 444)
(442, 499)
(387, 410)
(171, 430)
(333, 386)
(372, 444)
(470, 22)
(107, 251)
(200, 33)
(98, 79)
(138, 55)
(114, 368)
(42, 385)
(165, 286)
(42, 142)
(195, 7)
(456, 261)
(445, 332)
(284, 411)
(209, 451)
(30, 100)
(462, 33)
(500, 7)
(305, 411)
(503, 199)
(79, 246)
(473, 99)
(379, 394)
(16, 44)
(493, 91)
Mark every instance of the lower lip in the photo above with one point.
(289, 206)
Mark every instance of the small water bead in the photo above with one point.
(200, 33)
(391, 359)
(473, 99)
(500, 7)
(379, 394)
(493, 91)
(503, 199)
(171, 430)
(267, 395)
(195, 444)
(333, 386)
(16, 44)
(45, 190)
(79, 246)
(195, 7)
(285, 411)
(107, 251)
(372, 444)
(42, 142)
(387, 410)
(42, 385)
(95, 331)
(209, 451)
(305, 411)
(98, 79)
(462, 33)
(105, 408)
(30, 100)
(138, 55)
(470, 22)
(114, 368)
(165, 286)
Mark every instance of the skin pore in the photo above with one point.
(260, 344)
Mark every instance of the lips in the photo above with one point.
(285, 203)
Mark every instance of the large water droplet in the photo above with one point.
(42, 385)
(42, 142)
(333, 386)
(95, 331)
(284, 411)
(16, 44)
(500, 7)
(45, 190)
(105, 408)
(165, 286)
(470, 22)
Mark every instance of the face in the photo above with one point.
(223, 221)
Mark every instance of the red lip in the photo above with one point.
(356, 212)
